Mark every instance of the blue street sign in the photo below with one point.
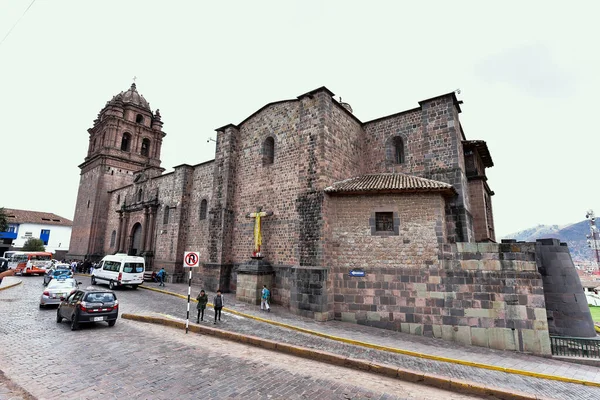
(357, 273)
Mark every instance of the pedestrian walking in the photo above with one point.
(264, 299)
(161, 276)
(202, 300)
(218, 304)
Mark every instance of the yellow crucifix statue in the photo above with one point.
(257, 229)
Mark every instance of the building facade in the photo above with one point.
(367, 220)
(52, 229)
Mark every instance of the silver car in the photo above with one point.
(56, 289)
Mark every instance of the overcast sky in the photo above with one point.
(528, 72)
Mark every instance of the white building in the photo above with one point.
(53, 230)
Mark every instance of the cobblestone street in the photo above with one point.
(136, 360)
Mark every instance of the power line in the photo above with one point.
(13, 27)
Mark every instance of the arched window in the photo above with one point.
(268, 151)
(203, 205)
(145, 147)
(166, 216)
(113, 236)
(126, 141)
(395, 150)
(139, 119)
(139, 196)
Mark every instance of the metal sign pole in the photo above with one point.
(187, 322)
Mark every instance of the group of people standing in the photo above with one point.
(218, 303)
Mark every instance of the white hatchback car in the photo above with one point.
(56, 289)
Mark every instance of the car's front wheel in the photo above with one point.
(111, 285)
(112, 323)
(74, 323)
(93, 280)
(58, 317)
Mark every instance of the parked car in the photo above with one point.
(57, 288)
(60, 272)
(118, 270)
(88, 305)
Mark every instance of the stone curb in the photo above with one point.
(440, 382)
(393, 349)
(11, 285)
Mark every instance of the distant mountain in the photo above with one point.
(574, 235)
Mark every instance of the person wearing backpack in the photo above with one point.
(202, 300)
(218, 305)
(264, 299)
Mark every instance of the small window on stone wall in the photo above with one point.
(203, 206)
(398, 150)
(139, 119)
(145, 147)
(166, 216)
(384, 223)
(126, 142)
(113, 236)
(88, 206)
(118, 199)
(268, 151)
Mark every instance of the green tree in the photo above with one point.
(3, 220)
(34, 244)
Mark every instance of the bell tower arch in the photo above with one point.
(125, 139)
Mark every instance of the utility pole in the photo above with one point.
(593, 237)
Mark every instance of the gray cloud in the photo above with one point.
(530, 68)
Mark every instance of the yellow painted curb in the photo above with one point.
(395, 350)
(440, 382)
(11, 285)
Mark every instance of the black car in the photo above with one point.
(89, 305)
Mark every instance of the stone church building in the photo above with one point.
(385, 222)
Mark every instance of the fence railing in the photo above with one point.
(575, 347)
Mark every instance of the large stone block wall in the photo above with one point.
(306, 291)
(566, 304)
(478, 293)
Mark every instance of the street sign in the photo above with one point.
(191, 259)
(357, 273)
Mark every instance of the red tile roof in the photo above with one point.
(35, 217)
(389, 183)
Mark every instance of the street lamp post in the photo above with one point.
(593, 237)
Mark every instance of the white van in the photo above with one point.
(119, 270)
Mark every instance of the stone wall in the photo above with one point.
(306, 291)
(478, 294)
(566, 304)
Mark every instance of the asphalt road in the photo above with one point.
(136, 360)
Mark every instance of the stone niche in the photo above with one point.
(251, 276)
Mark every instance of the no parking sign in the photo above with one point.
(191, 259)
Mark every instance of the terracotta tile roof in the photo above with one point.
(35, 217)
(389, 183)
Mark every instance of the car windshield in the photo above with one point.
(60, 272)
(59, 284)
(133, 267)
(103, 297)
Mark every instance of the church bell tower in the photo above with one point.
(126, 139)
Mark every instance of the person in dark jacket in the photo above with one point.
(202, 300)
(218, 304)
